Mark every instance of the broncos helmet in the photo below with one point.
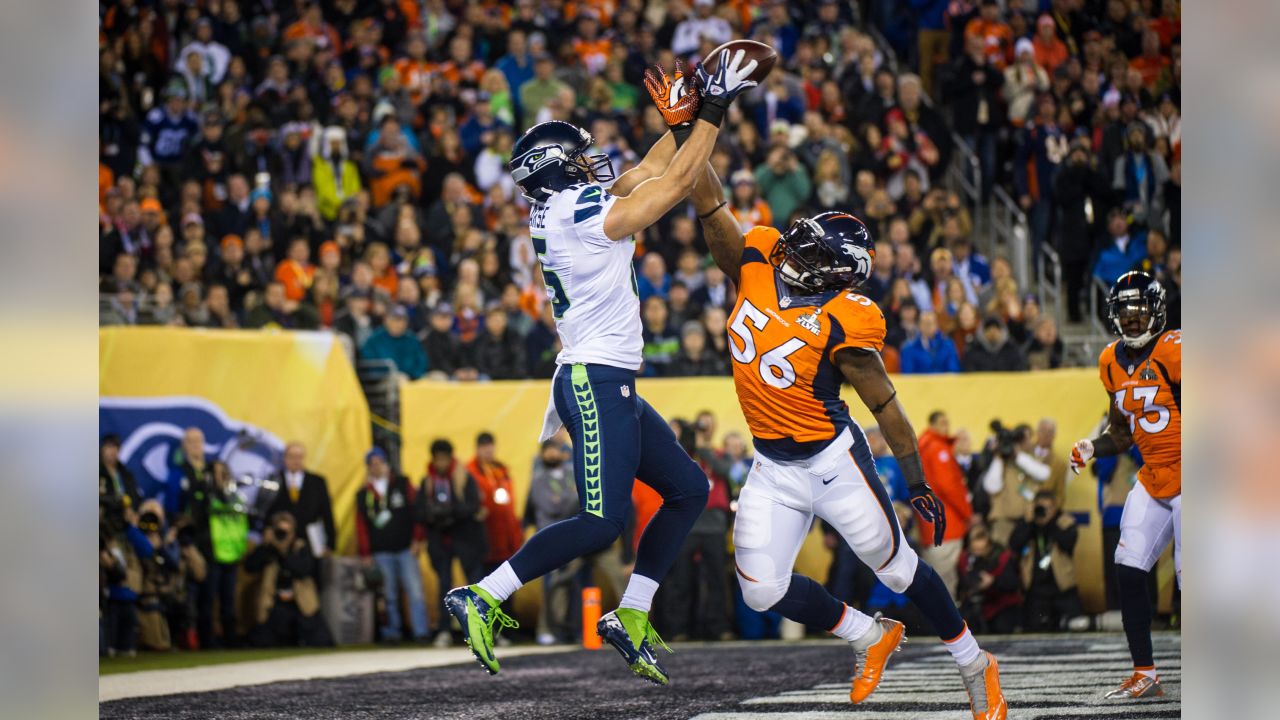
(830, 251)
(1136, 308)
(550, 156)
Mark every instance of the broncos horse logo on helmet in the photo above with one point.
(1136, 308)
(831, 251)
(551, 156)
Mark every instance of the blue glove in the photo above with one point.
(930, 508)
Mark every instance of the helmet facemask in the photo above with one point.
(807, 263)
(1134, 319)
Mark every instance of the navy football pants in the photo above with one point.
(617, 437)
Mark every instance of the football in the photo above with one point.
(765, 56)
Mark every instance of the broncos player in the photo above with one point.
(798, 330)
(1142, 373)
(582, 232)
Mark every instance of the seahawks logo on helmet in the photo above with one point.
(535, 160)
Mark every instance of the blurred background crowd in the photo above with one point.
(339, 165)
(196, 565)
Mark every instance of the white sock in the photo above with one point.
(1150, 672)
(501, 583)
(858, 628)
(639, 594)
(964, 649)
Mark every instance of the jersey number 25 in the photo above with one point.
(774, 367)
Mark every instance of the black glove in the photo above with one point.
(930, 508)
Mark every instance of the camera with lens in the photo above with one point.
(1007, 440)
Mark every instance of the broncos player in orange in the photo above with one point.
(1142, 373)
(799, 329)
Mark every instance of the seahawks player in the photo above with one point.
(582, 232)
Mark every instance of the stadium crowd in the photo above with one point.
(196, 566)
(339, 164)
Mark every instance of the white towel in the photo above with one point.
(551, 422)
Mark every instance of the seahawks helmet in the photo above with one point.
(551, 156)
(1136, 308)
(831, 251)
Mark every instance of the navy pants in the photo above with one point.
(617, 438)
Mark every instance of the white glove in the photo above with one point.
(729, 80)
(1081, 454)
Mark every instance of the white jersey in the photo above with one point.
(590, 279)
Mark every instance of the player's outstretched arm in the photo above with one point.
(652, 198)
(864, 370)
(1116, 439)
(722, 232)
(654, 163)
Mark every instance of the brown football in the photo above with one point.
(765, 57)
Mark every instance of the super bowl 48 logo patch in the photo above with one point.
(810, 322)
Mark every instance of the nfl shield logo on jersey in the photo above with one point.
(626, 391)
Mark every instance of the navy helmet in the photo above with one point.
(1136, 308)
(830, 251)
(551, 156)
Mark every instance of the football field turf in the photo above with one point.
(1044, 677)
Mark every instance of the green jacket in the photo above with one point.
(784, 193)
(329, 194)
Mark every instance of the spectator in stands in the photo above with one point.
(295, 272)
(1044, 349)
(1050, 50)
(786, 184)
(393, 342)
(989, 596)
(937, 455)
(1080, 192)
(1023, 81)
(537, 93)
(444, 351)
(276, 310)
(1045, 540)
(973, 91)
(553, 496)
(389, 536)
(334, 174)
(653, 279)
(701, 25)
(694, 357)
(660, 341)
(499, 352)
(748, 208)
(997, 37)
(1041, 146)
(451, 509)
(494, 483)
(1139, 177)
(933, 40)
(1121, 251)
(305, 496)
(929, 351)
(994, 351)
(287, 606)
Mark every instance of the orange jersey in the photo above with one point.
(783, 345)
(1148, 392)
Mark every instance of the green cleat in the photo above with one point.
(633, 635)
(477, 612)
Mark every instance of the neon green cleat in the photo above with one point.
(477, 612)
(630, 632)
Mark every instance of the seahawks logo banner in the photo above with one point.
(249, 392)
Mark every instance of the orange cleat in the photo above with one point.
(872, 661)
(985, 697)
(1136, 687)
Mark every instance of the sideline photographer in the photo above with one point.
(1012, 478)
(1045, 540)
(287, 606)
(165, 612)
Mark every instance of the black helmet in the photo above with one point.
(1136, 292)
(831, 251)
(550, 156)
